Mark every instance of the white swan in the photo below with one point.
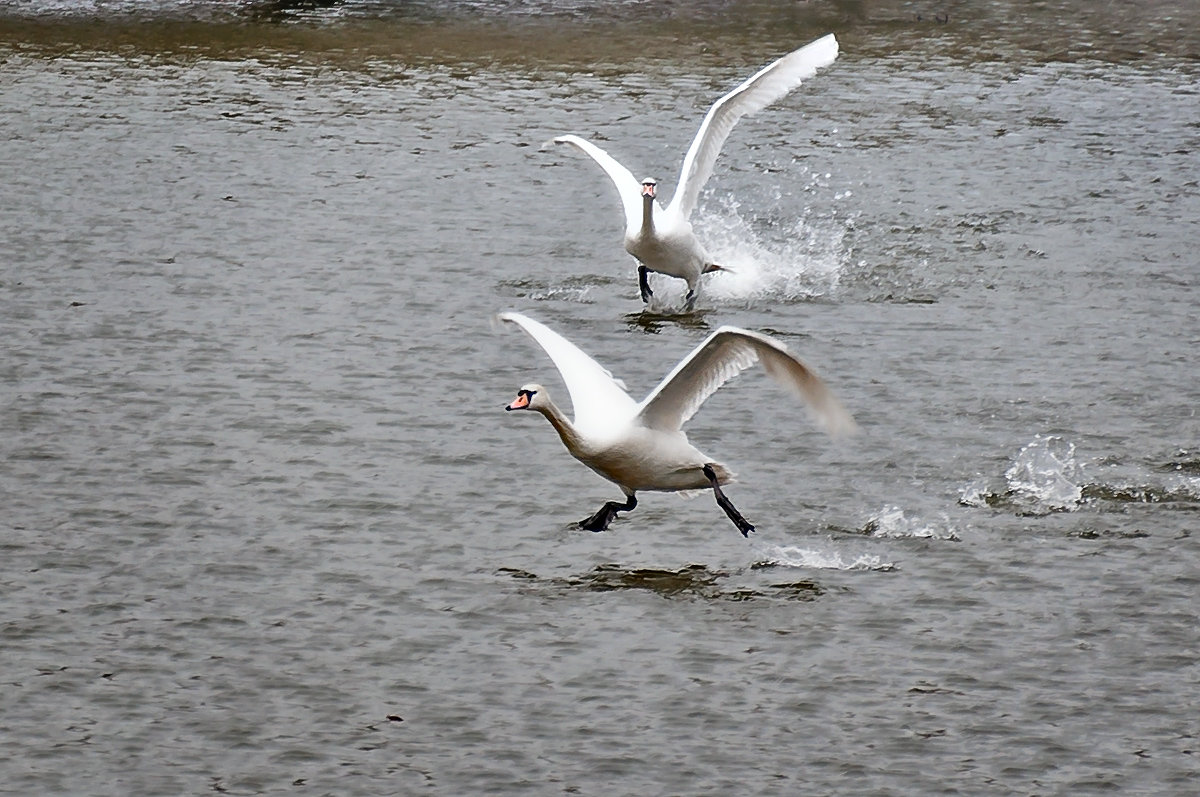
(642, 446)
(661, 238)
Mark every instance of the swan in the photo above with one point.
(661, 239)
(641, 446)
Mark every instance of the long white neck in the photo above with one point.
(647, 215)
(565, 429)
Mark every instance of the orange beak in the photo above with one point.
(519, 403)
(648, 190)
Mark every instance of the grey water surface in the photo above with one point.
(266, 528)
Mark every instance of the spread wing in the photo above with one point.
(763, 88)
(596, 396)
(724, 354)
(628, 188)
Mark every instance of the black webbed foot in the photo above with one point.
(743, 525)
(606, 515)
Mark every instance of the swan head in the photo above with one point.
(649, 188)
(529, 397)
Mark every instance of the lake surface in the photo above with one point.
(266, 527)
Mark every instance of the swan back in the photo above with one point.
(724, 354)
(599, 401)
(760, 90)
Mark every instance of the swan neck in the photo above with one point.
(565, 429)
(647, 214)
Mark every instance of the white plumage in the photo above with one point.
(642, 446)
(661, 238)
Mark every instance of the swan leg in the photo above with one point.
(742, 524)
(689, 303)
(607, 513)
(644, 284)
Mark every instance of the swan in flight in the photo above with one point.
(642, 446)
(661, 238)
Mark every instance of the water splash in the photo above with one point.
(891, 521)
(795, 556)
(792, 259)
(1047, 472)
(1044, 477)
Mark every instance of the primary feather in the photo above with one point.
(766, 86)
(723, 355)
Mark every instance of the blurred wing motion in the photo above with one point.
(723, 355)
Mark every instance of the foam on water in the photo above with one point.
(796, 556)
(893, 522)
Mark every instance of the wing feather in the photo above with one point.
(723, 355)
(596, 396)
(628, 187)
(760, 90)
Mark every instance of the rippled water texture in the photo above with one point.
(267, 528)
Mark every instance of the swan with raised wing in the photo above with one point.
(661, 239)
(642, 446)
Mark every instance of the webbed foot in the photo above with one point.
(606, 515)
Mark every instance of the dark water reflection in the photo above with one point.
(592, 34)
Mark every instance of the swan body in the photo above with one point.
(641, 445)
(661, 239)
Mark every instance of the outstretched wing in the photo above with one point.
(765, 87)
(598, 398)
(723, 355)
(629, 189)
